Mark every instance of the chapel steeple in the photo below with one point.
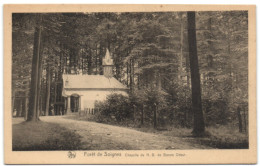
(108, 65)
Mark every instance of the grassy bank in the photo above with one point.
(29, 136)
(225, 137)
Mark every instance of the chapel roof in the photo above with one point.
(73, 81)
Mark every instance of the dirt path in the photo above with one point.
(97, 136)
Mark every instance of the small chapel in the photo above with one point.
(81, 91)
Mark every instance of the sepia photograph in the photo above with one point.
(119, 80)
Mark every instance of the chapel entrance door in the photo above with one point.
(74, 103)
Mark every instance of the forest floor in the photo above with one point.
(65, 133)
(43, 136)
(218, 136)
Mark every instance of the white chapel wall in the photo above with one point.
(88, 97)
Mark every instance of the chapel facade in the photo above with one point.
(81, 91)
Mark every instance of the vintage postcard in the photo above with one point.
(130, 84)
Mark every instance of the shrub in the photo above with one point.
(179, 105)
(216, 111)
(149, 99)
(116, 107)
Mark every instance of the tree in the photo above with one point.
(198, 126)
(33, 114)
(48, 89)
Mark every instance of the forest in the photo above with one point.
(183, 69)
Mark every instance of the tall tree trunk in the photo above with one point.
(55, 93)
(20, 108)
(134, 111)
(40, 106)
(32, 114)
(96, 59)
(117, 65)
(75, 61)
(245, 121)
(26, 106)
(138, 77)
(158, 81)
(229, 34)
(13, 98)
(63, 58)
(130, 78)
(100, 59)
(127, 73)
(142, 115)
(198, 126)
(65, 64)
(60, 63)
(239, 119)
(154, 116)
(89, 61)
(39, 94)
(48, 88)
(70, 61)
(181, 52)
(132, 75)
(209, 61)
(188, 71)
(82, 61)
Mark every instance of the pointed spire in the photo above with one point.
(107, 55)
(107, 60)
(108, 65)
